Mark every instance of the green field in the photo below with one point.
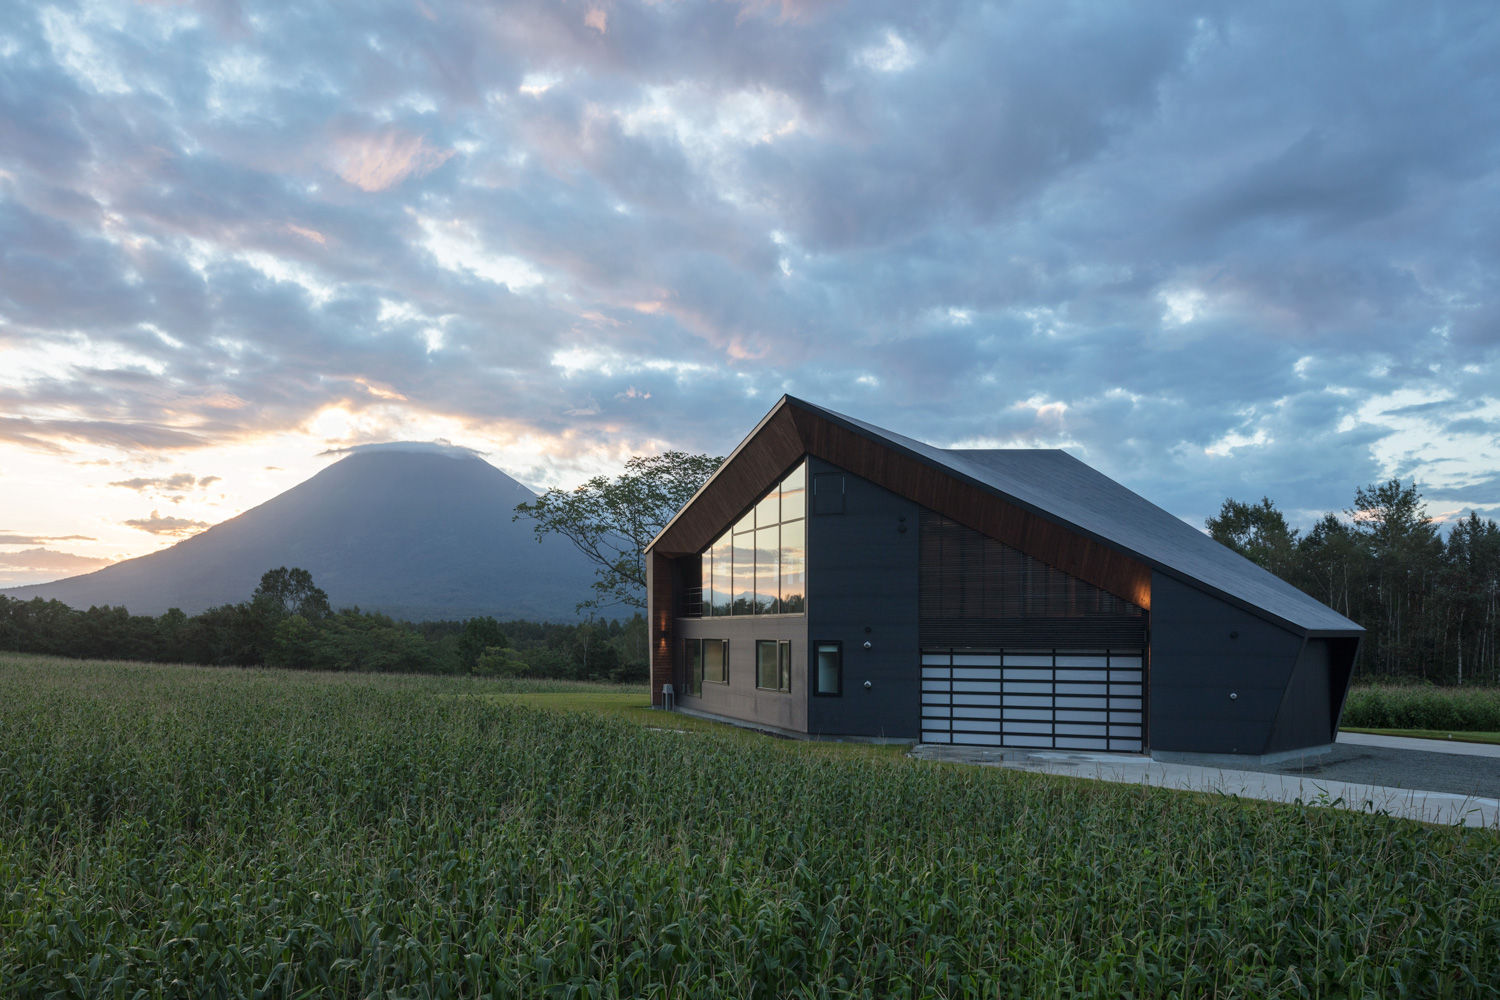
(186, 832)
(1429, 734)
(1426, 707)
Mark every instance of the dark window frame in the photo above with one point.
(815, 668)
(826, 501)
(782, 665)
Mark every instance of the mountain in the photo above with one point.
(417, 532)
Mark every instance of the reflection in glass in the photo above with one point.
(716, 660)
(766, 673)
(768, 511)
(793, 494)
(784, 664)
(723, 584)
(793, 559)
(742, 578)
(750, 571)
(766, 544)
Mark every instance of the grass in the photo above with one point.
(170, 831)
(1429, 734)
(1410, 706)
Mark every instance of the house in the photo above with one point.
(836, 579)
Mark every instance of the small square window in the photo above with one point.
(828, 493)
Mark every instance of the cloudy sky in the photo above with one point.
(1213, 250)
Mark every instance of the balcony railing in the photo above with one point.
(692, 602)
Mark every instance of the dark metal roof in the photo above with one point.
(1059, 487)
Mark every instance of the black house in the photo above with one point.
(833, 578)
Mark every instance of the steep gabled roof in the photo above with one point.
(1049, 484)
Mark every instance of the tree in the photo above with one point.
(1258, 532)
(479, 636)
(611, 520)
(285, 592)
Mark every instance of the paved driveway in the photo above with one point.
(1432, 780)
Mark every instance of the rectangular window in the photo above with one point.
(767, 541)
(828, 668)
(773, 665)
(716, 660)
(723, 582)
(794, 494)
(692, 662)
(742, 581)
(793, 559)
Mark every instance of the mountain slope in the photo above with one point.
(418, 534)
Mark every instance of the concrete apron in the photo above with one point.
(1431, 807)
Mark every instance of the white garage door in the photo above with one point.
(1061, 699)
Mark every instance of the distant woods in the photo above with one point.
(287, 622)
(1430, 605)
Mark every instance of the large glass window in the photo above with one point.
(773, 665)
(722, 593)
(828, 668)
(792, 557)
(758, 567)
(767, 544)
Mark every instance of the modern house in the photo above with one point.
(836, 579)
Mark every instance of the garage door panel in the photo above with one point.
(1069, 699)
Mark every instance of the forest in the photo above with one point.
(288, 622)
(1428, 601)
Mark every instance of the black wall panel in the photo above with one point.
(1304, 718)
(862, 586)
(1218, 674)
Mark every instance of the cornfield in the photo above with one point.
(184, 832)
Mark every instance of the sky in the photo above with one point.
(1213, 250)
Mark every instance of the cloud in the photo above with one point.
(177, 483)
(1203, 238)
(8, 538)
(424, 447)
(177, 527)
(42, 561)
(384, 159)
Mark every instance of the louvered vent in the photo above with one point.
(979, 593)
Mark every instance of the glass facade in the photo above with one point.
(758, 567)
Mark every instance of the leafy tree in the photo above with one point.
(1404, 552)
(1258, 532)
(611, 520)
(285, 592)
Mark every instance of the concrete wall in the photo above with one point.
(862, 586)
(740, 698)
(1219, 675)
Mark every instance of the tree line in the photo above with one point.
(288, 622)
(1430, 604)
